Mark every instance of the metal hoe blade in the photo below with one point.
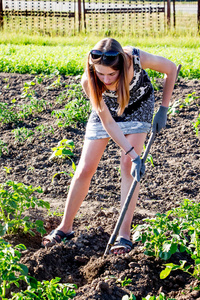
(130, 193)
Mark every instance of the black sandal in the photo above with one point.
(122, 243)
(57, 236)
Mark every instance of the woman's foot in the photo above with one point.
(121, 246)
(56, 236)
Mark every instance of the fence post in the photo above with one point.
(168, 12)
(198, 16)
(1, 14)
(174, 13)
(79, 15)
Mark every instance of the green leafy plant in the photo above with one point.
(161, 236)
(35, 106)
(22, 134)
(55, 84)
(125, 282)
(7, 170)
(160, 297)
(55, 213)
(3, 147)
(76, 110)
(178, 104)
(11, 271)
(61, 98)
(127, 297)
(63, 150)
(8, 114)
(27, 86)
(43, 129)
(188, 100)
(196, 125)
(47, 290)
(39, 79)
(15, 199)
(149, 157)
(174, 108)
(189, 213)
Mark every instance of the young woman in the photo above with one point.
(122, 98)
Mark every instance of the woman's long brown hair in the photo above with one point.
(121, 63)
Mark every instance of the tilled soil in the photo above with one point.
(174, 177)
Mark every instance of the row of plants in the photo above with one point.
(13, 273)
(70, 59)
(177, 230)
(16, 199)
(76, 109)
(175, 108)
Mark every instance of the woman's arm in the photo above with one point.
(115, 131)
(162, 65)
(84, 83)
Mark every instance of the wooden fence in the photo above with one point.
(60, 17)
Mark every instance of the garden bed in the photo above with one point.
(174, 177)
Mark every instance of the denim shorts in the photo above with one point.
(95, 131)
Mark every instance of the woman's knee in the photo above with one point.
(126, 165)
(84, 171)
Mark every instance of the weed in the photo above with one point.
(31, 169)
(174, 108)
(178, 104)
(39, 79)
(15, 199)
(55, 213)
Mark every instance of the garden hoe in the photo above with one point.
(131, 191)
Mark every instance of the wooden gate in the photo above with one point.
(107, 17)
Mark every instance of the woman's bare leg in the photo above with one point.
(137, 140)
(90, 157)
